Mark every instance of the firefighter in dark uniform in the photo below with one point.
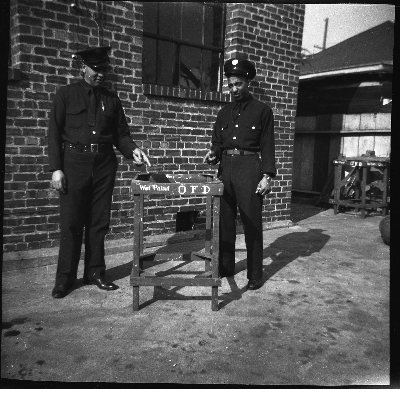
(86, 120)
(243, 131)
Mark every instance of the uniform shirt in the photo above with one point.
(69, 121)
(246, 125)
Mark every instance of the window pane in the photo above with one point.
(166, 63)
(211, 75)
(213, 26)
(170, 20)
(150, 18)
(149, 60)
(169, 62)
(190, 68)
(192, 22)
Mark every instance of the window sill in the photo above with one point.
(14, 74)
(183, 93)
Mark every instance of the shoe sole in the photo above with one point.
(58, 296)
(254, 288)
(107, 289)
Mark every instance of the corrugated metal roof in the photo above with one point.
(367, 49)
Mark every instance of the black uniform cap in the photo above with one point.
(240, 67)
(95, 56)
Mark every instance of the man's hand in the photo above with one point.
(58, 181)
(210, 158)
(140, 158)
(264, 186)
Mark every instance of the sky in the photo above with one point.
(344, 21)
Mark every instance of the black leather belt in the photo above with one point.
(236, 152)
(88, 148)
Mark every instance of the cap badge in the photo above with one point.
(234, 62)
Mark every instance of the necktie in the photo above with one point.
(236, 110)
(92, 108)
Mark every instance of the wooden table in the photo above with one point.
(356, 181)
(148, 184)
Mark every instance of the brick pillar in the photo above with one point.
(270, 35)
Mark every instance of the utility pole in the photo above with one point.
(325, 35)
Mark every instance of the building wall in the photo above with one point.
(339, 116)
(172, 125)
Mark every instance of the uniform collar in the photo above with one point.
(243, 102)
(86, 86)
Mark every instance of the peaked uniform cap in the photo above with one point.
(240, 67)
(95, 56)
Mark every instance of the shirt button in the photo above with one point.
(236, 126)
(234, 137)
(94, 132)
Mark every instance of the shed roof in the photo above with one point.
(371, 50)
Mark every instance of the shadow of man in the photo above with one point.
(281, 252)
(288, 248)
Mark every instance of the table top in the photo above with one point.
(363, 161)
(177, 184)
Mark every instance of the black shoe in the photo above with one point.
(225, 274)
(254, 284)
(101, 284)
(60, 291)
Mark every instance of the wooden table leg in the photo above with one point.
(336, 192)
(135, 298)
(137, 239)
(384, 192)
(141, 238)
(357, 188)
(363, 187)
(215, 252)
(208, 235)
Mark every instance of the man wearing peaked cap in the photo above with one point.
(244, 145)
(240, 67)
(86, 121)
(96, 57)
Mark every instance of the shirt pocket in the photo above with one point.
(253, 129)
(108, 116)
(225, 130)
(75, 117)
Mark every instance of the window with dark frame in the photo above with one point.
(9, 51)
(183, 44)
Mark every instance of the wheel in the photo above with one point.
(384, 228)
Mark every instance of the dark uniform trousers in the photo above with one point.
(86, 204)
(240, 176)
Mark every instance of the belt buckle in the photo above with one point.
(94, 148)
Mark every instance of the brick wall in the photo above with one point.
(173, 125)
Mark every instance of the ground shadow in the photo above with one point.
(281, 252)
(235, 293)
(303, 208)
(288, 248)
(165, 293)
(161, 292)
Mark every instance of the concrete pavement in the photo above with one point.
(321, 318)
